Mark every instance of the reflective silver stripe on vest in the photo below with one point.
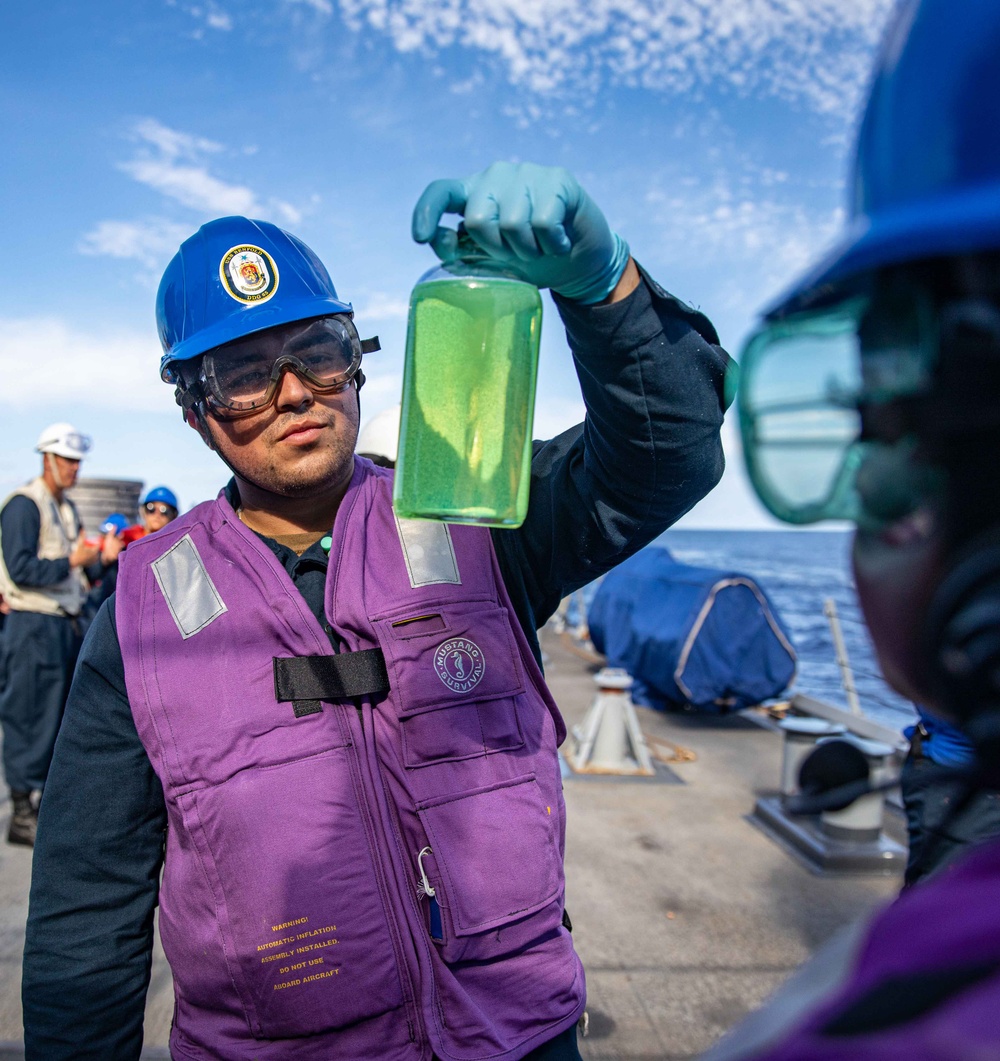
(428, 552)
(191, 596)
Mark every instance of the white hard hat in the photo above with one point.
(380, 436)
(64, 441)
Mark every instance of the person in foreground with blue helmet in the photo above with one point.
(872, 393)
(326, 726)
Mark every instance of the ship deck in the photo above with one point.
(685, 914)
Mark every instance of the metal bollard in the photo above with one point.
(801, 737)
(862, 820)
(610, 741)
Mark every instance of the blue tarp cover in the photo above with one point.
(690, 635)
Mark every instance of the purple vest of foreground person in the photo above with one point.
(937, 948)
(293, 907)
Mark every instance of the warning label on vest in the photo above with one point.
(304, 970)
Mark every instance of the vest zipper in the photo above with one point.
(378, 844)
(417, 926)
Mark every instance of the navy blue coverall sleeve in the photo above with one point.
(652, 377)
(95, 872)
(20, 524)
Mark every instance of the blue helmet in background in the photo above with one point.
(162, 494)
(926, 179)
(114, 524)
(234, 277)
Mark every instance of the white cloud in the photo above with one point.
(172, 143)
(174, 164)
(45, 361)
(816, 52)
(744, 224)
(382, 389)
(150, 242)
(324, 7)
(192, 186)
(380, 306)
(211, 16)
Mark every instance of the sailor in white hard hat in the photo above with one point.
(378, 440)
(43, 560)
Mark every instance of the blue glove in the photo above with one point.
(536, 220)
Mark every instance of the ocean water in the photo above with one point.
(798, 570)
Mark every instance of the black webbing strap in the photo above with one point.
(304, 681)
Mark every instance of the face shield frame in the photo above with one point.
(806, 379)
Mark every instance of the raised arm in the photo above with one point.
(653, 379)
(650, 368)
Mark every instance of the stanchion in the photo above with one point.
(609, 740)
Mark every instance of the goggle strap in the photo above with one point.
(188, 398)
(369, 346)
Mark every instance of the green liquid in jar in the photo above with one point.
(468, 401)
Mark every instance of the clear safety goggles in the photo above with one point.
(160, 508)
(803, 386)
(243, 376)
(79, 445)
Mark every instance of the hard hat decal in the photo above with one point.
(248, 274)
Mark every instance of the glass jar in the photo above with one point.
(468, 395)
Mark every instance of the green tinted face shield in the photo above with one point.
(805, 383)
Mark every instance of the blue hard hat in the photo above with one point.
(234, 277)
(115, 523)
(163, 494)
(927, 169)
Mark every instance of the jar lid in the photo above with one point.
(470, 261)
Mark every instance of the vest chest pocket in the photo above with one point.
(494, 861)
(455, 675)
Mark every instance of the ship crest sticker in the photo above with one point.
(459, 663)
(248, 274)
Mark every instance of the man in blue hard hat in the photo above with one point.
(43, 564)
(871, 392)
(364, 851)
(157, 507)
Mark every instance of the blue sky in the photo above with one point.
(715, 135)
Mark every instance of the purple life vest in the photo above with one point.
(346, 884)
(925, 983)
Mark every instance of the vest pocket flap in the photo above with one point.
(496, 853)
(460, 731)
(452, 655)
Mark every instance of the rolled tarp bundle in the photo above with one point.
(690, 636)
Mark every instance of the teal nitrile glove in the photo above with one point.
(536, 220)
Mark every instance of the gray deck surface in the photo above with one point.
(685, 915)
